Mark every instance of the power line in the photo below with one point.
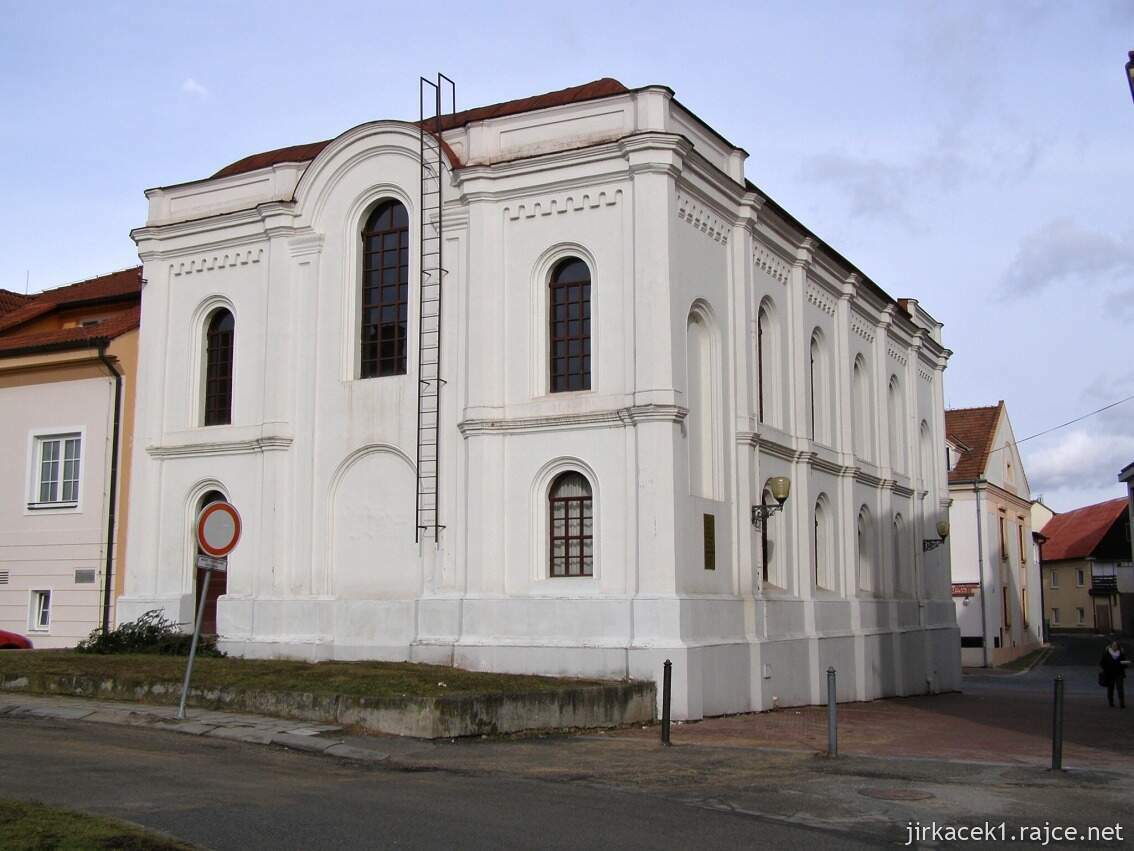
(1063, 425)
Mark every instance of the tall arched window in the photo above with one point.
(218, 580)
(763, 335)
(818, 389)
(897, 424)
(862, 419)
(569, 326)
(218, 368)
(925, 445)
(864, 541)
(385, 291)
(899, 574)
(821, 544)
(571, 516)
(702, 374)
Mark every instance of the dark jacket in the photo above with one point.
(1112, 668)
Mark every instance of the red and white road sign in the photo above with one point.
(218, 529)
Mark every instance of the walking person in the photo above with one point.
(1113, 675)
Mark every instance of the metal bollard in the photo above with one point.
(832, 726)
(667, 675)
(1057, 726)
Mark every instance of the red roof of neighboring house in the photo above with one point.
(76, 337)
(606, 87)
(1077, 533)
(975, 428)
(116, 286)
(124, 286)
(9, 301)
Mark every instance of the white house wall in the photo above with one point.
(321, 464)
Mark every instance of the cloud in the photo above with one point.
(192, 87)
(1062, 252)
(873, 187)
(1082, 462)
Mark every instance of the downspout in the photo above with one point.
(980, 566)
(111, 514)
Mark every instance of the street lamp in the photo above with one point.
(1130, 72)
(780, 486)
(933, 543)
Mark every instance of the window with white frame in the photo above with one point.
(1080, 577)
(40, 615)
(1055, 615)
(56, 477)
(1054, 578)
(1080, 616)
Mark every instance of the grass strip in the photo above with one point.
(37, 827)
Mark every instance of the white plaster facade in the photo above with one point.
(679, 247)
(993, 556)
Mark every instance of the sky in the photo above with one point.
(976, 156)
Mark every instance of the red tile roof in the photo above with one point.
(122, 287)
(9, 301)
(1077, 533)
(77, 337)
(974, 428)
(606, 87)
(116, 286)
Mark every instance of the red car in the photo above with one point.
(13, 641)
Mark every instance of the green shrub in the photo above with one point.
(153, 632)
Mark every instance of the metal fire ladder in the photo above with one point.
(431, 277)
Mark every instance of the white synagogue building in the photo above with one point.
(517, 418)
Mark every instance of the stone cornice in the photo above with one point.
(611, 418)
(203, 449)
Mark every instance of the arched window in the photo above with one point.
(218, 368)
(702, 375)
(821, 545)
(763, 338)
(899, 576)
(897, 422)
(926, 451)
(818, 389)
(385, 291)
(571, 516)
(863, 538)
(569, 326)
(862, 419)
(218, 580)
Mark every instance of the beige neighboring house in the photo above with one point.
(1087, 568)
(996, 582)
(68, 358)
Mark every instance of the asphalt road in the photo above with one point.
(229, 795)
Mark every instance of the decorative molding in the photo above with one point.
(220, 260)
(573, 202)
(616, 418)
(925, 374)
(818, 297)
(897, 355)
(767, 261)
(305, 244)
(862, 328)
(690, 211)
(220, 447)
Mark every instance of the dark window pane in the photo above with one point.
(385, 240)
(569, 325)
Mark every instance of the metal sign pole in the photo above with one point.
(193, 646)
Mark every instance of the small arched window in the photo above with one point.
(569, 326)
(384, 310)
(219, 337)
(927, 454)
(571, 516)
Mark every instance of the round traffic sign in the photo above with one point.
(218, 529)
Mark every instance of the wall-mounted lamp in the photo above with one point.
(780, 486)
(933, 543)
(1130, 72)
